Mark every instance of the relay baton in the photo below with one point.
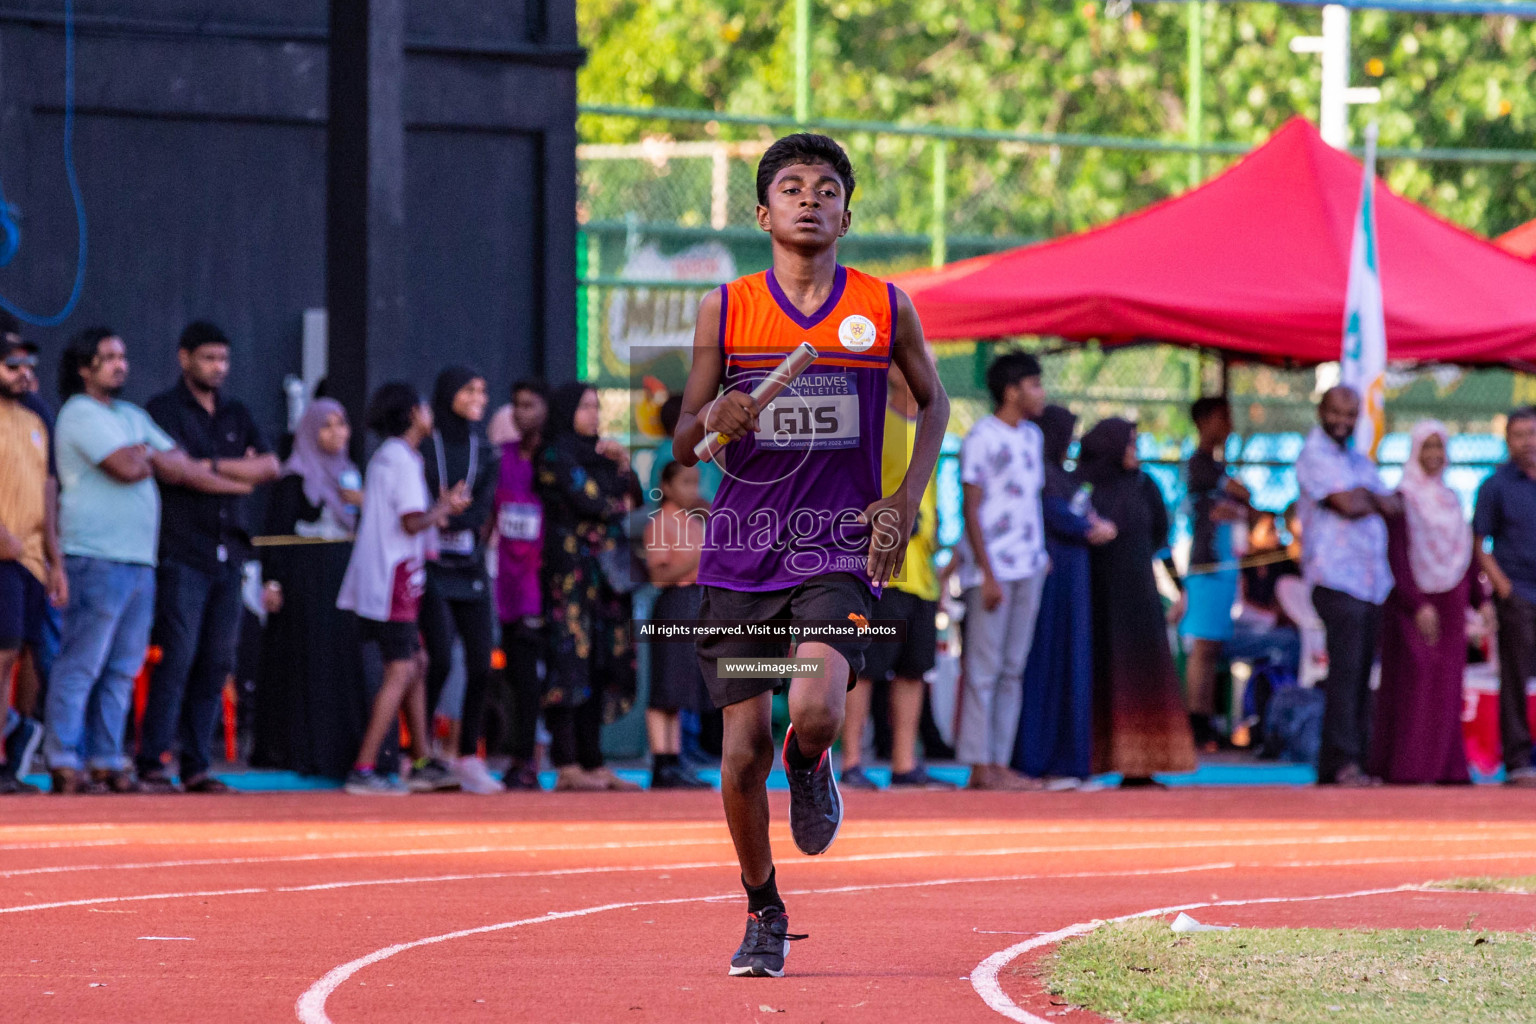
(766, 391)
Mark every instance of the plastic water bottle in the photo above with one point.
(350, 480)
(1082, 501)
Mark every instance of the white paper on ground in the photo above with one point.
(1185, 923)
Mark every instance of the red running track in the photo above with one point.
(576, 907)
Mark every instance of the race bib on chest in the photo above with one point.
(456, 542)
(819, 411)
(520, 521)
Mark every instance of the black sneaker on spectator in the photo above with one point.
(854, 778)
(766, 944)
(522, 776)
(367, 782)
(675, 776)
(431, 777)
(72, 782)
(815, 805)
(918, 778)
(116, 781)
(158, 782)
(205, 783)
(20, 745)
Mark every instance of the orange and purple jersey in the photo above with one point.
(788, 507)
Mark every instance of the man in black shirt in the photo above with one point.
(203, 545)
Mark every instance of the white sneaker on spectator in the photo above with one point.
(474, 777)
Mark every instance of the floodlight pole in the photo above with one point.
(802, 61)
(1337, 96)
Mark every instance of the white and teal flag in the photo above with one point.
(1363, 365)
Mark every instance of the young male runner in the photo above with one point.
(800, 529)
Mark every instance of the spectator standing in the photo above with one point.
(1001, 469)
(584, 484)
(1140, 725)
(1218, 507)
(674, 539)
(31, 564)
(109, 453)
(202, 552)
(519, 556)
(36, 663)
(1055, 742)
(458, 599)
(1344, 557)
(311, 696)
(384, 582)
(320, 490)
(1506, 515)
(1417, 734)
(912, 597)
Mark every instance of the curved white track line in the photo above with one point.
(310, 1006)
(1216, 842)
(984, 977)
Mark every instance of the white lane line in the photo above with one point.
(719, 865)
(1027, 830)
(166, 938)
(128, 899)
(984, 977)
(492, 875)
(1216, 842)
(310, 1006)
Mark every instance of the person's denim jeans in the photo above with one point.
(106, 634)
(197, 627)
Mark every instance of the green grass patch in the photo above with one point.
(1524, 883)
(1140, 971)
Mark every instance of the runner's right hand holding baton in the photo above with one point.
(766, 391)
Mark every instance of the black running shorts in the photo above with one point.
(835, 597)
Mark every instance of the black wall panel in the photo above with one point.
(200, 142)
(473, 260)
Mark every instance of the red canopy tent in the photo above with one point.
(1254, 262)
(1521, 241)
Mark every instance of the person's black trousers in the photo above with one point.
(1517, 664)
(575, 734)
(439, 619)
(523, 644)
(1354, 627)
(197, 627)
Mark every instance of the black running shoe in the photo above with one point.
(815, 805)
(762, 951)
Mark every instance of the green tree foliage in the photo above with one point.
(1047, 65)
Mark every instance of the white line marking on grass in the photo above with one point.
(1218, 842)
(984, 977)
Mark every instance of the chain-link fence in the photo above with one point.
(670, 213)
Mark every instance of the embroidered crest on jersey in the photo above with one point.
(857, 333)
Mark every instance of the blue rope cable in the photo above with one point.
(74, 187)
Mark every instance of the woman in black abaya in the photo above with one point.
(1139, 721)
